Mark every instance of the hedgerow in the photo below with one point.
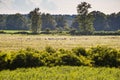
(95, 56)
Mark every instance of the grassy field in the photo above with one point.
(61, 73)
(15, 41)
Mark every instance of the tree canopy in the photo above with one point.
(35, 17)
(84, 18)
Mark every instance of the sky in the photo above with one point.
(57, 6)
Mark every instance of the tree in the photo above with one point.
(16, 22)
(2, 22)
(114, 21)
(48, 22)
(35, 17)
(85, 19)
(61, 23)
(75, 24)
(100, 21)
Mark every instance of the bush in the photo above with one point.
(33, 60)
(50, 59)
(26, 58)
(79, 51)
(96, 56)
(69, 59)
(50, 49)
(22, 32)
(107, 33)
(2, 32)
(60, 57)
(18, 61)
(3, 62)
(104, 56)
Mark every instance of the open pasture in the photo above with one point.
(15, 42)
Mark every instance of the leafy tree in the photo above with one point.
(100, 21)
(35, 17)
(48, 22)
(61, 22)
(75, 24)
(114, 21)
(2, 21)
(16, 22)
(85, 19)
(73, 32)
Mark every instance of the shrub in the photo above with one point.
(18, 61)
(96, 56)
(33, 60)
(73, 32)
(104, 56)
(22, 32)
(71, 60)
(50, 59)
(26, 58)
(3, 62)
(2, 32)
(79, 51)
(50, 49)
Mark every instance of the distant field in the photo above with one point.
(62, 73)
(15, 41)
(14, 31)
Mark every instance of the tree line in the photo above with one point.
(85, 22)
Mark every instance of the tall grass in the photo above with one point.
(61, 73)
(16, 42)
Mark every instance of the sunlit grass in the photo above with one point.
(15, 42)
(61, 73)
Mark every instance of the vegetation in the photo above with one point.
(102, 22)
(48, 22)
(35, 20)
(96, 56)
(85, 19)
(61, 73)
(18, 41)
(60, 57)
(16, 22)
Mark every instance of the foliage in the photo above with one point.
(18, 61)
(16, 22)
(1, 32)
(114, 21)
(3, 62)
(75, 23)
(85, 19)
(50, 49)
(61, 23)
(36, 20)
(70, 59)
(104, 56)
(96, 56)
(61, 73)
(100, 21)
(79, 51)
(73, 32)
(2, 22)
(48, 22)
(106, 33)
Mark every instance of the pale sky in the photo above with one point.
(56, 6)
